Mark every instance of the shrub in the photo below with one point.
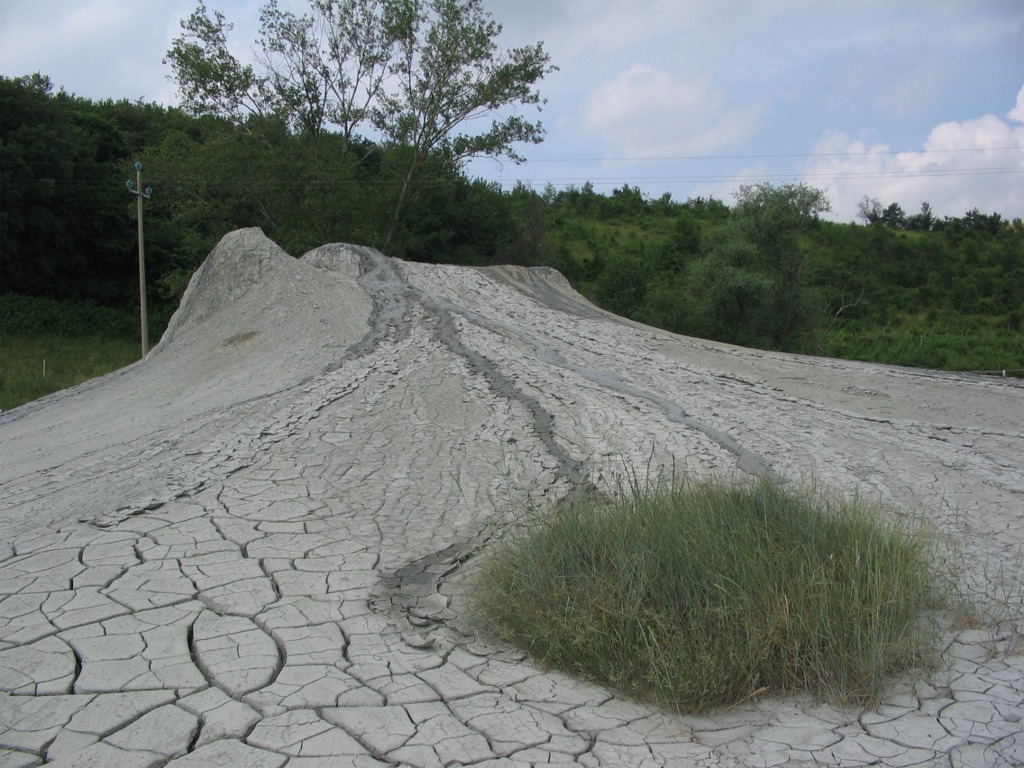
(28, 315)
(707, 594)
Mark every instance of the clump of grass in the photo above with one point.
(708, 594)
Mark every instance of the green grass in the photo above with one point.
(709, 594)
(968, 343)
(33, 365)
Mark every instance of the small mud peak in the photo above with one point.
(241, 261)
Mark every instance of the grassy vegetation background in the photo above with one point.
(910, 290)
(38, 364)
(46, 345)
(944, 342)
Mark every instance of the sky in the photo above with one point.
(907, 102)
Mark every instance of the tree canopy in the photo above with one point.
(750, 278)
(413, 73)
(766, 271)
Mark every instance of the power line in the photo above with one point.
(837, 174)
(623, 159)
(772, 156)
(670, 179)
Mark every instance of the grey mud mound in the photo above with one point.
(253, 547)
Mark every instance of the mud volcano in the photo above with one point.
(251, 548)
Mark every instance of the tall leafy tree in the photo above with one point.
(211, 81)
(61, 213)
(870, 210)
(328, 67)
(415, 71)
(750, 281)
(451, 72)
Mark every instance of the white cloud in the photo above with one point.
(1017, 113)
(647, 112)
(960, 166)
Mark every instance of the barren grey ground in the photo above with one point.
(254, 547)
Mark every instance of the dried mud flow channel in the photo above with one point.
(256, 546)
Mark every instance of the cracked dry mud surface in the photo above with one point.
(255, 547)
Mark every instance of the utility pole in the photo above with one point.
(136, 189)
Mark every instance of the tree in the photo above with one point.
(322, 69)
(730, 302)
(627, 201)
(450, 72)
(750, 283)
(975, 220)
(622, 284)
(415, 71)
(530, 247)
(329, 68)
(211, 81)
(869, 209)
(61, 207)
(923, 221)
(894, 217)
(682, 245)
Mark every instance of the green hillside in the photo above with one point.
(767, 271)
